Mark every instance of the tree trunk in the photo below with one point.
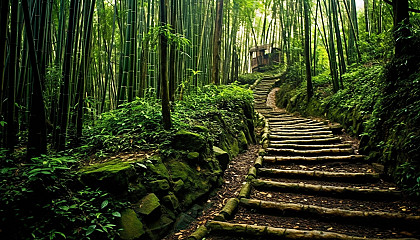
(37, 136)
(172, 54)
(341, 60)
(4, 25)
(367, 23)
(309, 88)
(84, 66)
(217, 43)
(64, 101)
(401, 27)
(166, 110)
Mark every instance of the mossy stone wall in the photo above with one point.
(162, 187)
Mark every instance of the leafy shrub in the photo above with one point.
(137, 125)
(41, 200)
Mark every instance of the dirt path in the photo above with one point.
(308, 183)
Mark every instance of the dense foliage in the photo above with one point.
(379, 103)
(44, 199)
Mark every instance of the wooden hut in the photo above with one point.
(263, 55)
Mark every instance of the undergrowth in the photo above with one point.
(44, 199)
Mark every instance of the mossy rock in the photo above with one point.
(195, 183)
(234, 147)
(183, 221)
(230, 145)
(137, 191)
(171, 201)
(131, 225)
(242, 141)
(178, 185)
(221, 156)
(159, 227)
(159, 186)
(184, 140)
(113, 175)
(148, 204)
(156, 169)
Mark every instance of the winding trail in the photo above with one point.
(308, 183)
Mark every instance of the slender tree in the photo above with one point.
(166, 110)
(60, 133)
(37, 136)
(309, 88)
(11, 84)
(84, 65)
(217, 43)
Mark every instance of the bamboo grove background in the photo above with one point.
(63, 62)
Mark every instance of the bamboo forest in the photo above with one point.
(209, 119)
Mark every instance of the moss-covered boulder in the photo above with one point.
(155, 168)
(137, 191)
(221, 156)
(184, 140)
(196, 183)
(159, 227)
(113, 176)
(131, 225)
(229, 143)
(242, 141)
(149, 205)
(170, 201)
(178, 185)
(159, 186)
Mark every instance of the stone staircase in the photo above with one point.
(308, 183)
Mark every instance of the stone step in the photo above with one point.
(337, 214)
(290, 122)
(298, 123)
(326, 151)
(312, 160)
(300, 146)
(297, 133)
(319, 175)
(325, 190)
(267, 232)
(292, 129)
(303, 137)
(284, 119)
(312, 141)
